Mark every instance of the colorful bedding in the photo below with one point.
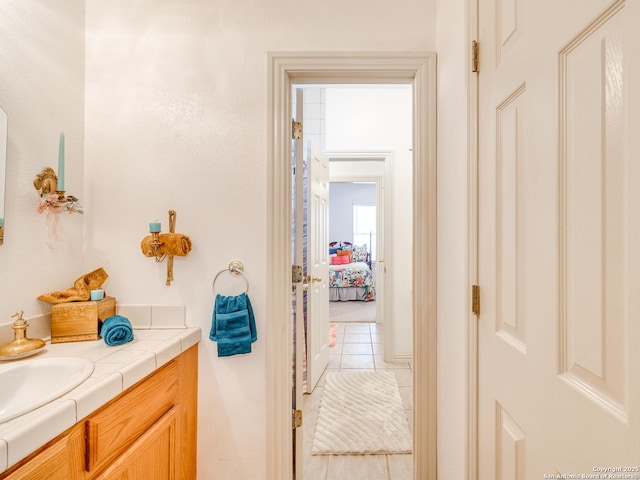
(353, 275)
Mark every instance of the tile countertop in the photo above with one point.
(115, 369)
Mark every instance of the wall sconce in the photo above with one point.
(154, 228)
(53, 197)
(50, 186)
(165, 245)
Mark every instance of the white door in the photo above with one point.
(317, 267)
(559, 239)
(297, 167)
(311, 346)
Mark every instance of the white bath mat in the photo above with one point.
(361, 413)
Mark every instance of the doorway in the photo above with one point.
(417, 69)
(361, 339)
(374, 168)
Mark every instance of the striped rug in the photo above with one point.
(361, 413)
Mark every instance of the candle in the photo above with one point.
(97, 294)
(60, 187)
(155, 227)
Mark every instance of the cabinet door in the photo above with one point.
(150, 457)
(62, 460)
(114, 428)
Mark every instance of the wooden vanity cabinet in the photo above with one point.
(58, 460)
(147, 432)
(113, 429)
(150, 456)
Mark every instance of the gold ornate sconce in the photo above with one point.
(165, 245)
(53, 198)
(51, 187)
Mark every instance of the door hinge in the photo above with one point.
(296, 418)
(296, 274)
(475, 54)
(296, 130)
(475, 299)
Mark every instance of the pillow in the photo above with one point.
(343, 252)
(333, 251)
(341, 260)
(359, 253)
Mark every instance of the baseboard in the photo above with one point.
(403, 359)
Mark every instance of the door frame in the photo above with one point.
(471, 427)
(285, 68)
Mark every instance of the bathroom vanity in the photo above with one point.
(148, 430)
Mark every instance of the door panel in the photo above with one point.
(556, 238)
(510, 25)
(510, 205)
(510, 447)
(318, 267)
(592, 188)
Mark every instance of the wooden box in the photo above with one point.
(79, 321)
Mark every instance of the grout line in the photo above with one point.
(386, 457)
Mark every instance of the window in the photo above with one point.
(364, 227)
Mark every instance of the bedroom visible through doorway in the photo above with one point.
(379, 167)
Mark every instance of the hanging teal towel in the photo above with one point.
(116, 330)
(233, 325)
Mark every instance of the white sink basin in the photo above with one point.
(28, 384)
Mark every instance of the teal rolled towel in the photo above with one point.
(116, 330)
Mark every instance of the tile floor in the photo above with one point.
(359, 347)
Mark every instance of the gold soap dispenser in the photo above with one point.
(21, 345)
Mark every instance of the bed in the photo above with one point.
(350, 275)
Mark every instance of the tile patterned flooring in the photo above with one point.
(358, 347)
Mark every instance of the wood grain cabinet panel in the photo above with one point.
(61, 459)
(150, 457)
(148, 433)
(117, 426)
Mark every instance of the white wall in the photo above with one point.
(176, 117)
(453, 303)
(42, 91)
(342, 197)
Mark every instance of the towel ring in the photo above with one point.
(235, 268)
